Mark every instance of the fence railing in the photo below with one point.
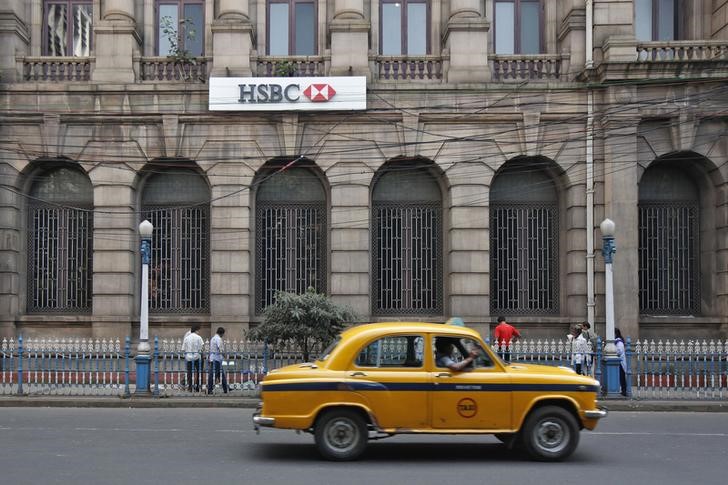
(290, 66)
(395, 68)
(696, 370)
(56, 69)
(162, 68)
(682, 51)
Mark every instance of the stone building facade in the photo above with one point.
(498, 134)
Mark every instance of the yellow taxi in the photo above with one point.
(382, 379)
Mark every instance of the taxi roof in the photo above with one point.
(353, 337)
(367, 329)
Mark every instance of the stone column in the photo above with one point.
(466, 38)
(232, 39)
(349, 39)
(116, 41)
(572, 32)
(613, 24)
(14, 38)
(621, 197)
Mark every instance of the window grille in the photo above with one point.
(524, 264)
(291, 247)
(668, 258)
(179, 268)
(407, 276)
(59, 259)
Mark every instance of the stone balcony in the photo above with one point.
(55, 69)
(625, 58)
(290, 66)
(531, 67)
(168, 69)
(408, 68)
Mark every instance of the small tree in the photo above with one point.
(309, 321)
(173, 34)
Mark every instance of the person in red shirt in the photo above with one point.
(504, 335)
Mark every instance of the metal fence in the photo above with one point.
(696, 370)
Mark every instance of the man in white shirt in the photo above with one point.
(216, 358)
(192, 347)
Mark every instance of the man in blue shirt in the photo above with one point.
(216, 357)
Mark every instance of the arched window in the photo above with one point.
(524, 235)
(406, 242)
(60, 236)
(290, 234)
(668, 242)
(177, 203)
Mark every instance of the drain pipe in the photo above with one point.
(589, 64)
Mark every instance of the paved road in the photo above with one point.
(218, 446)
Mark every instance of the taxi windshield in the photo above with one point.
(327, 351)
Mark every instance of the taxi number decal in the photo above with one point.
(467, 408)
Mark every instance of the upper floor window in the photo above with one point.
(291, 27)
(518, 26)
(184, 23)
(177, 203)
(60, 235)
(404, 27)
(655, 19)
(67, 27)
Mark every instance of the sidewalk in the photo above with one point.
(248, 402)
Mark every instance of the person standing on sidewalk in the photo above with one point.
(505, 334)
(192, 347)
(215, 370)
(591, 339)
(622, 354)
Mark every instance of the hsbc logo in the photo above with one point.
(278, 93)
(319, 93)
(335, 93)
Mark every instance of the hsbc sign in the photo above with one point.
(288, 94)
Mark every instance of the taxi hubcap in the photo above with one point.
(551, 434)
(342, 434)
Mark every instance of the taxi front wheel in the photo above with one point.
(550, 434)
(341, 435)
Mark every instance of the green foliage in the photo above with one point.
(173, 34)
(285, 69)
(308, 321)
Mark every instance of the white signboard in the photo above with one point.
(288, 93)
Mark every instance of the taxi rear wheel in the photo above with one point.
(341, 435)
(550, 434)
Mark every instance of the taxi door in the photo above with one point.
(390, 373)
(477, 398)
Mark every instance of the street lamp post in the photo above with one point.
(611, 361)
(143, 356)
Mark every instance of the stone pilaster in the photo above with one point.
(232, 39)
(349, 39)
(621, 198)
(116, 41)
(466, 38)
(14, 38)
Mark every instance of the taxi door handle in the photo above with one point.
(358, 374)
(443, 374)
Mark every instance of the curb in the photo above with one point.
(251, 403)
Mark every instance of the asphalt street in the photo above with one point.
(219, 446)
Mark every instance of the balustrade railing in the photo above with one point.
(290, 66)
(682, 51)
(695, 370)
(169, 69)
(56, 69)
(535, 67)
(410, 68)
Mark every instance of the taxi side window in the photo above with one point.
(461, 347)
(393, 351)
